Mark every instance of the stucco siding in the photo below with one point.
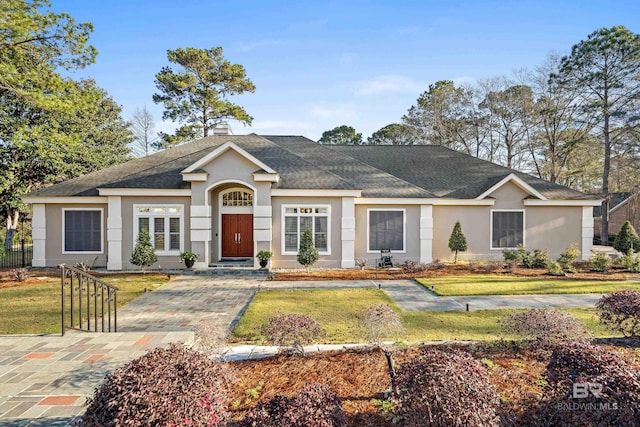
(553, 228)
(475, 221)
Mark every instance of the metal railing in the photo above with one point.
(91, 304)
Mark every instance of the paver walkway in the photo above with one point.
(44, 380)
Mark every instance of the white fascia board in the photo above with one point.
(66, 199)
(532, 202)
(200, 176)
(266, 177)
(413, 201)
(517, 181)
(315, 193)
(144, 191)
(222, 149)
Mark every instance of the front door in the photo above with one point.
(237, 235)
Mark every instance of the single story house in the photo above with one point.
(623, 206)
(230, 196)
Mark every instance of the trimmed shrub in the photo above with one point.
(545, 326)
(457, 241)
(554, 268)
(620, 311)
(314, 405)
(292, 331)
(626, 239)
(444, 389)
(568, 257)
(539, 258)
(381, 321)
(414, 267)
(518, 254)
(630, 261)
(143, 254)
(599, 261)
(307, 253)
(589, 386)
(172, 386)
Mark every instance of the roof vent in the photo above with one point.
(222, 128)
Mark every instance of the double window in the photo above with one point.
(507, 229)
(297, 219)
(386, 229)
(164, 224)
(82, 231)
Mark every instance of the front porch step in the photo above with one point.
(220, 271)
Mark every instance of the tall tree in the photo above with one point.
(196, 95)
(142, 125)
(393, 134)
(605, 69)
(341, 135)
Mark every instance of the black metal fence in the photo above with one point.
(88, 303)
(19, 255)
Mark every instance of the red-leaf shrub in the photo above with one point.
(315, 405)
(545, 326)
(445, 389)
(620, 311)
(292, 331)
(165, 387)
(588, 386)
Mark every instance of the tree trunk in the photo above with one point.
(12, 227)
(604, 234)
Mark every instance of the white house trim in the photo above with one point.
(587, 232)
(524, 227)
(101, 251)
(221, 150)
(39, 235)
(180, 215)
(196, 176)
(404, 229)
(114, 233)
(426, 234)
(532, 202)
(283, 247)
(348, 233)
(314, 193)
(144, 192)
(266, 177)
(66, 200)
(517, 181)
(419, 201)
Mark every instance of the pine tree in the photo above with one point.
(307, 254)
(457, 241)
(143, 254)
(627, 239)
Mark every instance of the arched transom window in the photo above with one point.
(237, 198)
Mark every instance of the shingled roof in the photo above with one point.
(417, 171)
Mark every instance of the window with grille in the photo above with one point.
(507, 229)
(237, 198)
(82, 230)
(297, 219)
(386, 230)
(164, 225)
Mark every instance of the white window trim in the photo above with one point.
(283, 250)
(404, 229)
(236, 209)
(64, 210)
(136, 226)
(524, 228)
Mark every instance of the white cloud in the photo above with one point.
(343, 112)
(390, 83)
(281, 126)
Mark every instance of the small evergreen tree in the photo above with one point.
(627, 239)
(143, 254)
(457, 241)
(307, 254)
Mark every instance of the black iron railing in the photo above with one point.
(88, 303)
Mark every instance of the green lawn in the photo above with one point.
(338, 312)
(512, 285)
(35, 308)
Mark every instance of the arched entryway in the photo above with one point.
(235, 216)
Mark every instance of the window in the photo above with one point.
(82, 231)
(297, 219)
(164, 224)
(386, 230)
(237, 198)
(507, 229)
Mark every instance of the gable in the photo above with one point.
(513, 180)
(221, 150)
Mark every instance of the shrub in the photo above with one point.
(609, 393)
(414, 267)
(172, 386)
(314, 405)
(457, 241)
(518, 254)
(292, 331)
(626, 239)
(539, 258)
(143, 254)
(620, 311)
(307, 253)
(444, 389)
(554, 268)
(630, 262)
(599, 261)
(361, 263)
(381, 321)
(568, 257)
(19, 274)
(545, 326)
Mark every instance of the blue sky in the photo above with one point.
(317, 65)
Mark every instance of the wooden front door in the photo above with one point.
(237, 235)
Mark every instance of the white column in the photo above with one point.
(348, 232)
(200, 225)
(262, 227)
(426, 233)
(587, 232)
(114, 233)
(39, 235)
